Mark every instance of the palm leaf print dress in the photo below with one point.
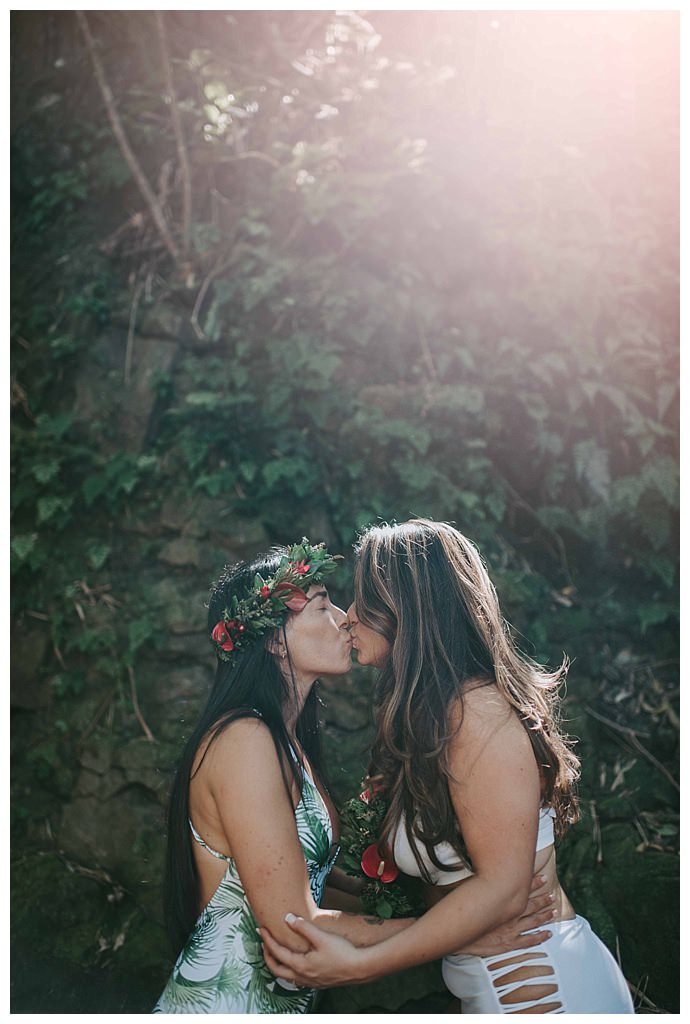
(221, 968)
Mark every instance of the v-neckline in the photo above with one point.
(306, 770)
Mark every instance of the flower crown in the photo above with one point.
(268, 600)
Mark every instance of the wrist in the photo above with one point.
(325, 918)
(364, 966)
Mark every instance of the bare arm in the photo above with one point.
(361, 929)
(496, 797)
(257, 816)
(259, 822)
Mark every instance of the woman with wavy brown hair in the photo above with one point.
(479, 778)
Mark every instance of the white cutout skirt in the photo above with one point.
(581, 973)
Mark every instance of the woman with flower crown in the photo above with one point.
(477, 777)
(252, 831)
(251, 827)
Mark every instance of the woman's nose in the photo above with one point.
(351, 614)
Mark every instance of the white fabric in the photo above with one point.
(586, 976)
(405, 859)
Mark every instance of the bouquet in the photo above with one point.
(386, 892)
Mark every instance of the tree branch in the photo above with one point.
(131, 328)
(127, 151)
(135, 703)
(632, 738)
(182, 154)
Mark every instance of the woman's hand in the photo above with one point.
(330, 961)
(510, 936)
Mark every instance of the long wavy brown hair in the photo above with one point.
(424, 587)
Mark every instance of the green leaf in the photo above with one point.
(23, 544)
(592, 466)
(93, 487)
(496, 504)
(45, 471)
(384, 909)
(653, 614)
(98, 555)
(54, 426)
(277, 469)
(248, 470)
(48, 507)
(139, 631)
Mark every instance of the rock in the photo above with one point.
(347, 706)
(234, 538)
(318, 527)
(163, 322)
(100, 389)
(105, 832)
(99, 380)
(172, 686)
(145, 763)
(97, 758)
(176, 513)
(30, 645)
(143, 527)
(182, 551)
(181, 608)
(186, 647)
(100, 787)
(151, 357)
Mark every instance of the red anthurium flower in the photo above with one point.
(297, 599)
(221, 636)
(301, 568)
(265, 592)
(370, 792)
(378, 867)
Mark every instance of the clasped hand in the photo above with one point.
(333, 960)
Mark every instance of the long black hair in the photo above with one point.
(251, 682)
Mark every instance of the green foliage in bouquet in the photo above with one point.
(361, 821)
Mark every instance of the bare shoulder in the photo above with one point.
(483, 713)
(489, 738)
(482, 701)
(243, 741)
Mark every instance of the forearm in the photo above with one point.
(472, 910)
(336, 899)
(360, 929)
(339, 879)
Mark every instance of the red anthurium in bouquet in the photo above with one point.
(383, 869)
(386, 891)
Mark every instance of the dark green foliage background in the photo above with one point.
(431, 269)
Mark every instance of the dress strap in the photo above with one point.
(201, 842)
